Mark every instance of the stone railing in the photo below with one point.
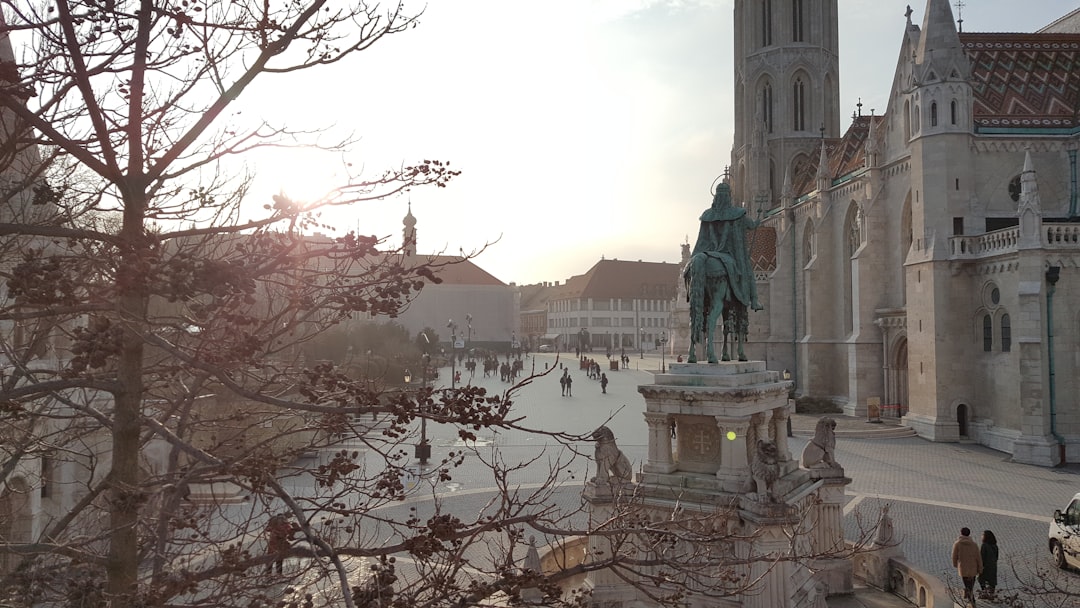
(1054, 236)
(917, 586)
(984, 245)
(886, 569)
(1061, 235)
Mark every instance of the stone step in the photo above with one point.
(889, 432)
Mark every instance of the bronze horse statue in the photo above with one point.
(711, 297)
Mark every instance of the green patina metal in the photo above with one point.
(720, 277)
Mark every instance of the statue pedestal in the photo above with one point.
(719, 457)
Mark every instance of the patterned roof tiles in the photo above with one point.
(1025, 80)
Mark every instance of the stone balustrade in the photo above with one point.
(886, 569)
(1004, 241)
(985, 245)
(1061, 235)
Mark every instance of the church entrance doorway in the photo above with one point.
(962, 419)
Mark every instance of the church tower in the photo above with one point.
(787, 83)
(936, 108)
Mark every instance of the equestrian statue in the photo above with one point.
(720, 278)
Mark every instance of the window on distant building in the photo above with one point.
(766, 23)
(933, 114)
(798, 96)
(767, 107)
(988, 333)
(796, 20)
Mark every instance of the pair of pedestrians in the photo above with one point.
(567, 384)
(974, 562)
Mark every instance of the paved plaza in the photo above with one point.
(933, 489)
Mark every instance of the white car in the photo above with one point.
(1065, 535)
(545, 348)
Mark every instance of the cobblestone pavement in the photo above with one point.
(933, 489)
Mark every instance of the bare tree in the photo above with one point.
(154, 391)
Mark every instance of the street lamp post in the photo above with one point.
(422, 450)
(453, 353)
(468, 344)
(663, 352)
(641, 341)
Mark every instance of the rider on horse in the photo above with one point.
(723, 231)
(720, 278)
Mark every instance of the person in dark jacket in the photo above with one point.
(968, 563)
(989, 553)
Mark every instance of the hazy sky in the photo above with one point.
(583, 128)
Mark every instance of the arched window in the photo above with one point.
(796, 21)
(766, 23)
(854, 240)
(952, 111)
(854, 230)
(988, 333)
(767, 107)
(798, 95)
(933, 114)
(808, 242)
(907, 121)
(1006, 334)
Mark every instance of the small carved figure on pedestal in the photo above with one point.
(765, 468)
(818, 454)
(612, 466)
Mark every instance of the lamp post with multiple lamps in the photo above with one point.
(663, 352)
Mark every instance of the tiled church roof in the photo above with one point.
(845, 155)
(1025, 80)
(763, 248)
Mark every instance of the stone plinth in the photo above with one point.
(705, 419)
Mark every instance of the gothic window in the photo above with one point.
(854, 230)
(933, 114)
(907, 121)
(796, 20)
(808, 243)
(952, 111)
(799, 104)
(766, 23)
(1006, 334)
(988, 333)
(767, 107)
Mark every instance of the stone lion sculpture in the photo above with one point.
(610, 461)
(765, 469)
(818, 454)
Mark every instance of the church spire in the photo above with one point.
(408, 244)
(1029, 210)
(823, 177)
(939, 43)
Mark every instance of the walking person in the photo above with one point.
(967, 560)
(279, 535)
(603, 383)
(989, 554)
(562, 381)
(569, 386)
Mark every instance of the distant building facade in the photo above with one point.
(466, 292)
(618, 305)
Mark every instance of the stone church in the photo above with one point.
(928, 255)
